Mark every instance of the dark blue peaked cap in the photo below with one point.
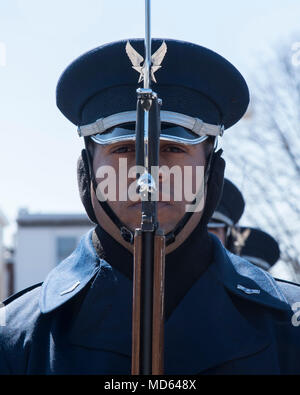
(260, 248)
(193, 81)
(231, 206)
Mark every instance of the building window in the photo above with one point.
(64, 247)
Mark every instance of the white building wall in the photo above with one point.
(36, 252)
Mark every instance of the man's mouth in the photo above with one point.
(160, 204)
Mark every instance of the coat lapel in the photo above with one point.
(104, 319)
(205, 330)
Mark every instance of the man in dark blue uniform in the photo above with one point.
(223, 314)
(255, 245)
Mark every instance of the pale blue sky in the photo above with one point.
(39, 147)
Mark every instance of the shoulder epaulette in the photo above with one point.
(286, 281)
(18, 294)
(290, 289)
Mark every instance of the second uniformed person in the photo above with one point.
(256, 246)
(228, 213)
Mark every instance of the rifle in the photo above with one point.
(149, 240)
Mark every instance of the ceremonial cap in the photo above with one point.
(258, 247)
(230, 208)
(202, 93)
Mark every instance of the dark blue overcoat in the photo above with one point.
(236, 319)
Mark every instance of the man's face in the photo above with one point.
(170, 208)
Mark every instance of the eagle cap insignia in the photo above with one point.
(137, 59)
(240, 239)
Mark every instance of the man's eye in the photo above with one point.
(124, 149)
(173, 148)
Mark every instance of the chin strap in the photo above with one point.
(215, 167)
(127, 234)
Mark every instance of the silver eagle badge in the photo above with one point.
(240, 239)
(136, 60)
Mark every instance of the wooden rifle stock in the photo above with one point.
(157, 348)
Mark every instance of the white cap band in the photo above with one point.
(196, 125)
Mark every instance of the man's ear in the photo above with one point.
(214, 186)
(209, 147)
(84, 185)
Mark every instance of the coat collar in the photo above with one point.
(236, 274)
(207, 330)
(204, 331)
(198, 334)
